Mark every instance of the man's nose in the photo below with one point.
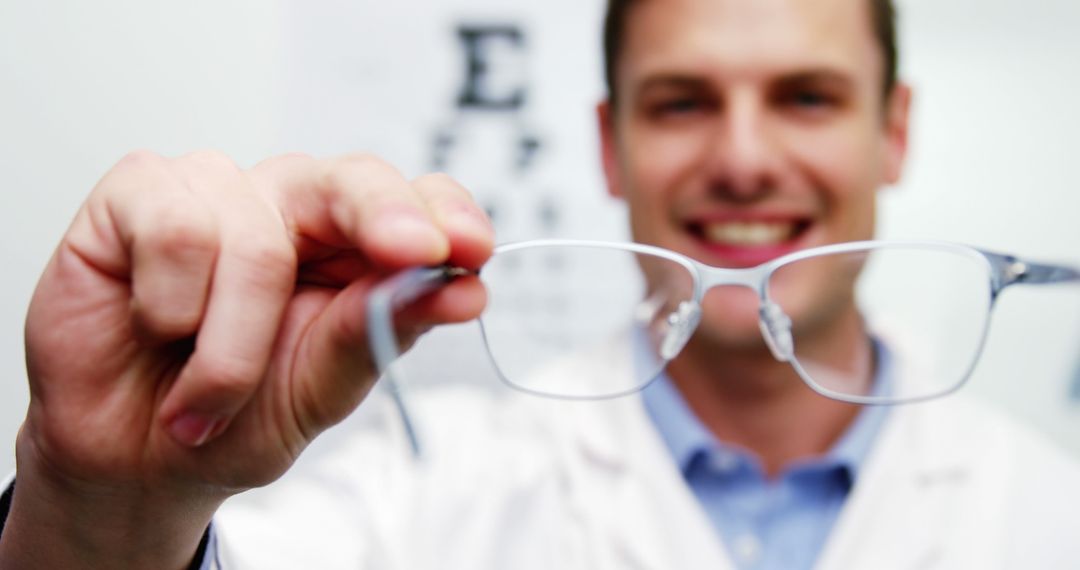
(744, 158)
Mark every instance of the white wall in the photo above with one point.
(995, 130)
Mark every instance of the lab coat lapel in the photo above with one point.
(624, 479)
(915, 490)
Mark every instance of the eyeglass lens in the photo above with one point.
(928, 307)
(549, 304)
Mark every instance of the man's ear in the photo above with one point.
(897, 111)
(605, 120)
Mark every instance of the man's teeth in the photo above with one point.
(749, 233)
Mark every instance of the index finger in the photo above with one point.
(355, 201)
(471, 235)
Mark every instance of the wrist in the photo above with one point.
(57, 522)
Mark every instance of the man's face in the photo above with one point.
(747, 129)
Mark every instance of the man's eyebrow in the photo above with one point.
(823, 76)
(671, 81)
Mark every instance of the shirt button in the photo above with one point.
(724, 462)
(747, 549)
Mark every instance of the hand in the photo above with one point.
(199, 325)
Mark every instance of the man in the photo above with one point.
(199, 325)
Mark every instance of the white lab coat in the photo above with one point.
(525, 483)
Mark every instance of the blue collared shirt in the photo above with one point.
(780, 523)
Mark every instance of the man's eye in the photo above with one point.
(678, 107)
(804, 99)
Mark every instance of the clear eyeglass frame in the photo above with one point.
(1002, 270)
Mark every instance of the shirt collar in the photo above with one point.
(687, 438)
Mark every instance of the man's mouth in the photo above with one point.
(744, 233)
(743, 243)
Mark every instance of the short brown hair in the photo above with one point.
(883, 15)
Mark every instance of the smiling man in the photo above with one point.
(738, 132)
(199, 325)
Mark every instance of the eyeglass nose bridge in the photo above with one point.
(749, 277)
(774, 323)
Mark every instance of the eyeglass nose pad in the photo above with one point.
(681, 325)
(776, 330)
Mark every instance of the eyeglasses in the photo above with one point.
(816, 309)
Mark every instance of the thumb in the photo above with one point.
(335, 368)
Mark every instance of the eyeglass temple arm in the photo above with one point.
(1011, 270)
(387, 297)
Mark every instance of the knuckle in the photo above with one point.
(294, 156)
(272, 177)
(282, 162)
(177, 233)
(353, 168)
(361, 159)
(271, 264)
(140, 158)
(440, 183)
(137, 170)
(436, 179)
(442, 187)
(445, 197)
(212, 159)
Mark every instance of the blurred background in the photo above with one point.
(501, 93)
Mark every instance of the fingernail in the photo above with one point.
(194, 428)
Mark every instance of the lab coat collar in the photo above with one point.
(909, 482)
